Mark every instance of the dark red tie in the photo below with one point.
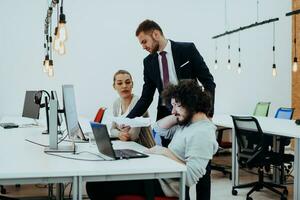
(164, 63)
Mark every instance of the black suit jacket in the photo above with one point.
(195, 69)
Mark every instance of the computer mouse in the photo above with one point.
(297, 121)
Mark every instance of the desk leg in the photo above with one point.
(59, 191)
(276, 171)
(297, 170)
(234, 164)
(182, 186)
(75, 188)
(80, 188)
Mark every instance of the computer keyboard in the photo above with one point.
(125, 153)
(9, 125)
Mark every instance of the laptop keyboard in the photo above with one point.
(125, 153)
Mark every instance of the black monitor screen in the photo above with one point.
(31, 107)
(71, 120)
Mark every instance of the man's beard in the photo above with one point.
(186, 120)
(155, 46)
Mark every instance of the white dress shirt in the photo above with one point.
(171, 67)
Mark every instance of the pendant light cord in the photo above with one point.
(295, 34)
(273, 42)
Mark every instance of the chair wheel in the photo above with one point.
(258, 188)
(230, 176)
(234, 192)
(249, 198)
(285, 192)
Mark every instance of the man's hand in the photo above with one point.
(165, 152)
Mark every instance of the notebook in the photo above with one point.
(105, 146)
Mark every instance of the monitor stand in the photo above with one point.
(59, 132)
(53, 139)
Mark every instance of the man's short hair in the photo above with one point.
(190, 95)
(148, 26)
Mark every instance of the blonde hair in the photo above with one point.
(121, 71)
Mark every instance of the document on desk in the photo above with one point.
(135, 122)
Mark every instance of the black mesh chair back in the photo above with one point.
(250, 139)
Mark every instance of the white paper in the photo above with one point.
(135, 122)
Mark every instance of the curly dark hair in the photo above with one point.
(190, 95)
(148, 26)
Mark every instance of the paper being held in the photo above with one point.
(135, 122)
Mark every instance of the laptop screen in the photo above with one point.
(102, 139)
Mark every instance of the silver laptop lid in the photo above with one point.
(102, 139)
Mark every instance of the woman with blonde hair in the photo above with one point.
(123, 84)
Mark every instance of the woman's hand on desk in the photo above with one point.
(124, 136)
(124, 133)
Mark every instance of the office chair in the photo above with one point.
(99, 115)
(2, 189)
(284, 113)
(255, 155)
(262, 109)
(222, 146)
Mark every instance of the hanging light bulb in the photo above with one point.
(56, 40)
(229, 65)
(274, 71)
(295, 65)
(62, 48)
(46, 64)
(62, 30)
(239, 70)
(50, 69)
(216, 55)
(216, 64)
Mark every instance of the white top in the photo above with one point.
(171, 66)
(117, 111)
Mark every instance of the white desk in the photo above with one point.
(26, 163)
(155, 166)
(280, 127)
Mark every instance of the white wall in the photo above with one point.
(102, 40)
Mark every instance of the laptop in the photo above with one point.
(105, 146)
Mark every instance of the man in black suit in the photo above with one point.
(167, 62)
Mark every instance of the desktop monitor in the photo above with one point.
(73, 126)
(31, 108)
(59, 114)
